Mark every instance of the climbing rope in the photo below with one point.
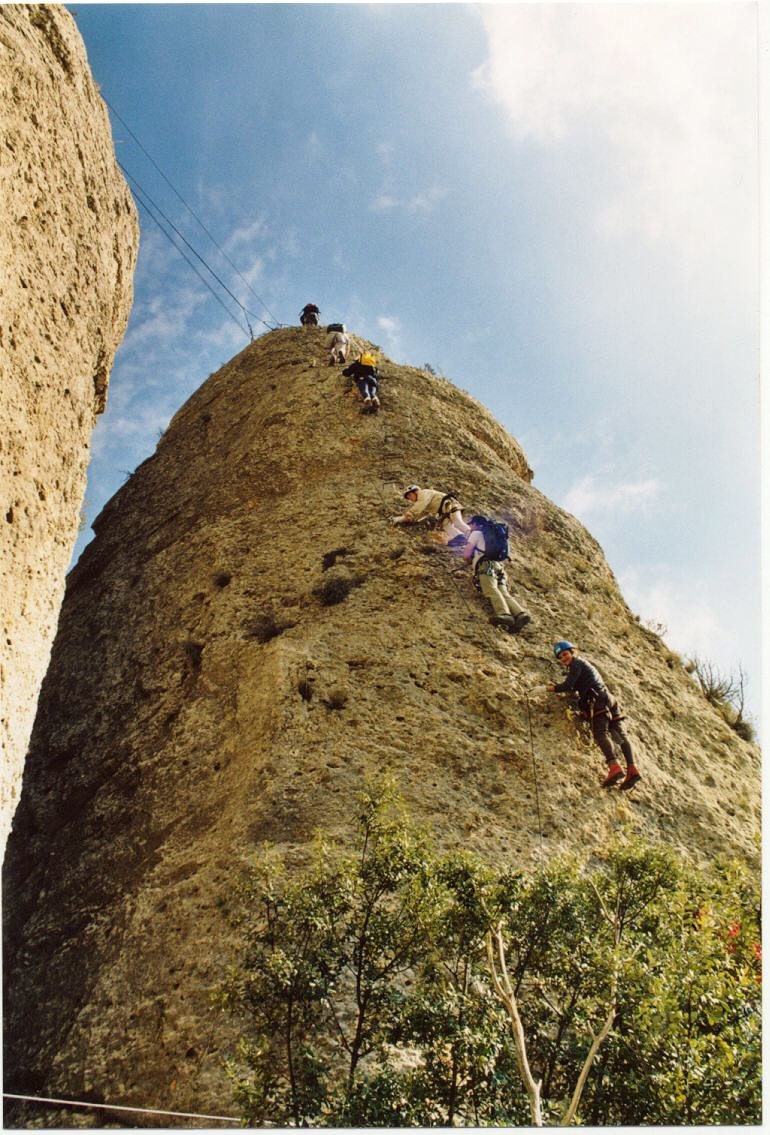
(120, 1107)
(151, 215)
(182, 237)
(193, 214)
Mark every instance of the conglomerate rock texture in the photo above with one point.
(244, 644)
(68, 243)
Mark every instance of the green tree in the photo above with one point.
(394, 987)
(688, 1047)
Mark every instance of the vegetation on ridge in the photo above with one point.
(393, 987)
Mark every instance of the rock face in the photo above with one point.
(68, 242)
(244, 643)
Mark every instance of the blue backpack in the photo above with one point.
(495, 538)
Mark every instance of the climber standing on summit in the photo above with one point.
(427, 503)
(310, 315)
(602, 710)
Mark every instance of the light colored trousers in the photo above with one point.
(452, 524)
(494, 587)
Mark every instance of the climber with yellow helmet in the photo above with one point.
(364, 371)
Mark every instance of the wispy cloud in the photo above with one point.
(588, 496)
(243, 236)
(691, 621)
(423, 202)
(426, 202)
(313, 145)
(383, 202)
(669, 90)
(391, 329)
(162, 318)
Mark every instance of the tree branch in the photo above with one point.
(504, 991)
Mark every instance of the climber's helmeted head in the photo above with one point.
(477, 521)
(411, 492)
(564, 651)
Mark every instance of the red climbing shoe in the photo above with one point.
(614, 774)
(632, 776)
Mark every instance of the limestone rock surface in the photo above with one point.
(68, 243)
(247, 641)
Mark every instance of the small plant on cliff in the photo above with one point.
(393, 987)
(726, 692)
(335, 589)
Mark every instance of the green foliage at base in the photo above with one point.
(366, 999)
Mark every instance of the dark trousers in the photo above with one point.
(607, 727)
(367, 386)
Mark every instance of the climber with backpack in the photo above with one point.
(486, 550)
(364, 371)
(596, 703)
(338, 343)
(426, 504)
(310, 315)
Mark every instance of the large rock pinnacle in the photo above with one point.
(247, 641)
(68, 242)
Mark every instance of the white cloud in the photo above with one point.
(163, 318)
(391, 328)
(667, 90)
(589, 496)
(423, 202)
(693, 625)
(245, 235)
(382, 202)
(313, 145)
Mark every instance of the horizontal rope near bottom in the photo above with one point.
(119, 1107)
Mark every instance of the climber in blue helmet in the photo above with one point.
(602, 710)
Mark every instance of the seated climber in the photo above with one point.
(338, 345)
(428, 503)
(310, 315)
(364, 371)
(596, 703)
(486, 549)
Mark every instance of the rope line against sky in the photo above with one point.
(190, 210)
(139, 189)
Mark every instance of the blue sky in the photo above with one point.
(554, 205)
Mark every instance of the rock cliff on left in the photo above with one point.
(68, 243)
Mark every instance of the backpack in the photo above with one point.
(336, 327)
(368, 361)
(495, 540)
(443, 504)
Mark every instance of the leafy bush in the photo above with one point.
(393, 987)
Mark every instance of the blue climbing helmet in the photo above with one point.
(558, 647)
